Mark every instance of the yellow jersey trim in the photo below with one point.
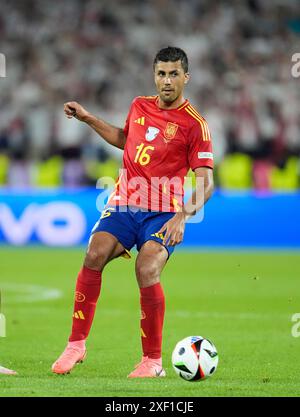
(186, 103)
(148, 97)
(203, 123)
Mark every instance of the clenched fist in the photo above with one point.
(74, 109)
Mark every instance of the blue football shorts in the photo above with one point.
(133, 226)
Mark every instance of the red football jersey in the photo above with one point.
(161, 146)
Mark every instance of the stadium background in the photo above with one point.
(100, 54)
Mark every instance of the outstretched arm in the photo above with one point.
(111, 134)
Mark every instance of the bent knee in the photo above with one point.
(150, 262)
(95, 259)
(146, 272)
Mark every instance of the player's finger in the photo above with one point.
(71, 104)
(70, 107)
(177, 238)
(173, 239)
(66, 106)
(163, 228)
(166, 238)
(69, 112)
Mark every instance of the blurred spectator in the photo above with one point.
(73, 174)
(18, 171)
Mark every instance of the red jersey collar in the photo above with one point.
(186, 102)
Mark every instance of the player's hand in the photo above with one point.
(174, 229)
(74, 109)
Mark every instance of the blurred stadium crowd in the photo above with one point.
(100, 53)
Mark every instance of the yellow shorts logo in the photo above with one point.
(158, 235)
(105, 213)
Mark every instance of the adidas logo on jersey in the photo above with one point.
(140, 121)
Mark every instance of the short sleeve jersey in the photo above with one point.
(161, 146)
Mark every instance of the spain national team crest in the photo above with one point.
(151, 133)
(170, 131)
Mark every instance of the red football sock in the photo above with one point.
(87, 292)
(152, 320)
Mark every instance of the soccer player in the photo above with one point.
(164, 136)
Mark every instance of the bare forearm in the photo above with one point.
(201, 194)
(196, 202)
(111, 134)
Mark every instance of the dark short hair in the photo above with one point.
(173, 54)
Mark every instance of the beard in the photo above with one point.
(168, 98)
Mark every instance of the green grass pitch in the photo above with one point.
(242, 301)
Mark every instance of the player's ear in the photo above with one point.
(187, 77)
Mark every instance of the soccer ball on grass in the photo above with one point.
(195, 358)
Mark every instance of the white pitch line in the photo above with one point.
(14, 293)
(232, 315)
(207, 314)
